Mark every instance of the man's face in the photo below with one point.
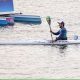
(60, 25)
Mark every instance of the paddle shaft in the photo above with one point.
(51, 33)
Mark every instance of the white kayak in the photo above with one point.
(38, 42)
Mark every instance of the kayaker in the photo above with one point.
(62, 32)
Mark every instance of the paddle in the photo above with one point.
(48, 19)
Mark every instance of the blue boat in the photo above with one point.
(30, 19)
(5, 21)
(7, 9)
(10, 20)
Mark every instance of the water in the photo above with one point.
(42, 61)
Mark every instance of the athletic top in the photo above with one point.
(62, 34)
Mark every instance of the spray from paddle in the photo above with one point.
(48, 19)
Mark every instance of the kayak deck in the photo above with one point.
(38, 42)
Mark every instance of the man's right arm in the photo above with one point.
(55, 33)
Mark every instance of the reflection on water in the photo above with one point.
(62, 48)
(39, 61)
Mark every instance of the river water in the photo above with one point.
(41, 61)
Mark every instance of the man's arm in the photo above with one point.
(55, 33)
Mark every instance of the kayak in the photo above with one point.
(38, 42)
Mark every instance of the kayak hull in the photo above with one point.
(39, 42)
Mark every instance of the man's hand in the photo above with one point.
(51, 31)
(52, 41)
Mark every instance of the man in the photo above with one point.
(62, 32)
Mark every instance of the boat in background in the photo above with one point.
(30, 19)
(7, 10)
(10, 20)
(5, 21)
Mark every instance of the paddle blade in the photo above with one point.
(48, 19)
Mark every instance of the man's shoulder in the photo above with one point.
(64, 29)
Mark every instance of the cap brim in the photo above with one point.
(58, 22)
